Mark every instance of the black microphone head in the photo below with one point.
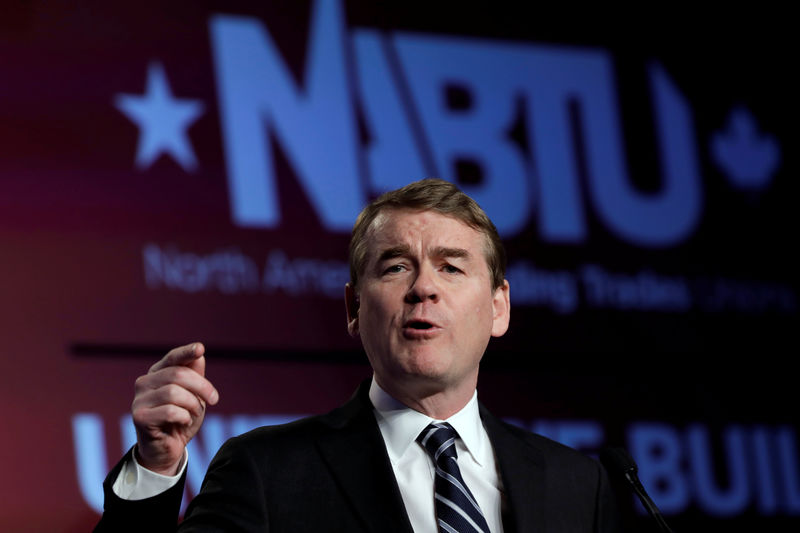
(618, 460)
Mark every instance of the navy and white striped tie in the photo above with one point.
(457, 510)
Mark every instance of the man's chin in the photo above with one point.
(430, 379)
(427, 365)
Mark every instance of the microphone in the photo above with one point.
(619, 461)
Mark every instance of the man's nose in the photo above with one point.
(424, 286)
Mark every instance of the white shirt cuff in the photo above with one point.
(135, 482)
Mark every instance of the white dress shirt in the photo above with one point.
(413, 467)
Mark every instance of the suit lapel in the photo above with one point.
(356, 455)
(522, 470)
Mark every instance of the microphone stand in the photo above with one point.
(618, 460)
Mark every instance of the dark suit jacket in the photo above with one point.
(332, 473)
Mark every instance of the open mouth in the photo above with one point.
(420, 330)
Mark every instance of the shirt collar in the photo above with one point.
(400, 425)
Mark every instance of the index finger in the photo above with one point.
(180, 356)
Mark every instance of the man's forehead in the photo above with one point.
(398, 228)
(393, 224)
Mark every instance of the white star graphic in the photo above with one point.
(162, 120)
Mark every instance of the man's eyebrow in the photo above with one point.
(394, 251)
(439, 251)
(443, 251)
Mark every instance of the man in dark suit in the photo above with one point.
(413, 450)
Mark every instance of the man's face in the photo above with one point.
(425, 307)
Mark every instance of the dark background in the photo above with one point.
(79, 321)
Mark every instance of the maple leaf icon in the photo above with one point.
(748, 158)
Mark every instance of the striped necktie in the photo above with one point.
(457, 510)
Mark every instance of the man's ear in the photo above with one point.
(351, 305)
(501, 310)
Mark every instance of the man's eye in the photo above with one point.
(394, 269)
(450, 269)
